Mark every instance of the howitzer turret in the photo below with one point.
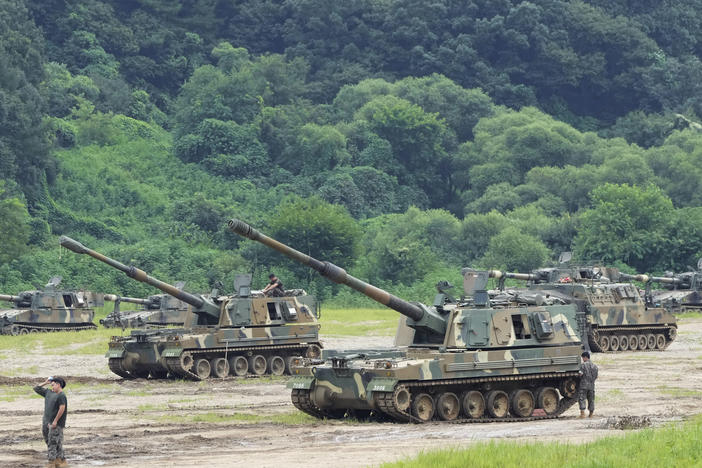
(420, 317)
(202, 306)
(529, 356)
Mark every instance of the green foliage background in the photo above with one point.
(401, 140)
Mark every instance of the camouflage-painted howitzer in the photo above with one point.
(49, 309)
(227, 335)
(466, 360)
(617, 318)
(159, 310)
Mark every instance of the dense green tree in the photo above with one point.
(14, 225)
(514, 250)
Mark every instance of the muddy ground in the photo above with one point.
(251, 422)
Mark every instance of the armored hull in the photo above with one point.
(288, 328)
(466, 360)
(48, 310)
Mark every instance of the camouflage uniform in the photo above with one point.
(277, 290)
(587, 385)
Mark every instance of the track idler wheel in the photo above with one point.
(186, 361)
(448, 406)
(672, 333)
(423, 407)
(497, 404)
(569, 388)
(401, 399)
(473, 404)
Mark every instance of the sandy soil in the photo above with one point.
(119, 423)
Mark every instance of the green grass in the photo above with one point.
(678, 392)
(13, 392)
(689, 315)
(675, 445)
(81, 342)
(610, 395)
(359, 322)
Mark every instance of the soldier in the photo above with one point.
(588, 372)
(274, 288)
(55, 409)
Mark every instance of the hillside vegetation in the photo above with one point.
(401, 140)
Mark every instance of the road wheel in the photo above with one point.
(660, 341)
(23, 331)
(643, 342)
(623, 343)
(33, 330)
(604, 343)
(497, 404)
(258, 364)
(651, 341)
(290, 362)
(473, 404)
(547, 399)
(633, 342)
(614, 343)
(14, 330)
(447, 406)
(220, 367)
(238, 366)
(522, 403)
(276, 365)
(423, 407)
(202, 368)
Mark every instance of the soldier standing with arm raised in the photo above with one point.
(54, 420)
(588, 371)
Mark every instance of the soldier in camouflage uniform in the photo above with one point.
(588, 371)
(274, 288)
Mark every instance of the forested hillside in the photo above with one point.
(401, 139)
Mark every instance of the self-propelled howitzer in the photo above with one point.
(158, 310)
(681, 291)
(466, 360)
(228, 335)
(49, 309)
(616, 317)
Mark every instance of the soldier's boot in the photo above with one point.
(51, 464)
(582, 414)
(61, 463)
(590, 414)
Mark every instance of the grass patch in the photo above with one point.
(693, 314)
(13, 392)
(152, 407)
(65, 342)
(678, 392)
(610, 395)
(673, 445)
(359, 322)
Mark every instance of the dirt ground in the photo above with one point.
(117, 423)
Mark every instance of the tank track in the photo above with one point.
(593, 334)
(115, 365)
(43, 329)
(174, 365)
(385, 401)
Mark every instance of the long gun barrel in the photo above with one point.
(131, 300)
(8, 298)
(652, 279)
(520, 276)
(196, 301)
(337, 274)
